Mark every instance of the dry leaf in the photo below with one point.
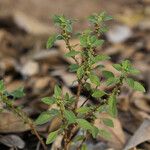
(11, 123)
(141, 135)
(13, 141)
(31, 25)
(117, 140)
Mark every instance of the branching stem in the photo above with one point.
(24, 117)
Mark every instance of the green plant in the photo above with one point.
(82, 117)
(73, 116)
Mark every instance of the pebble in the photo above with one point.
(119, 34)
(30, 68)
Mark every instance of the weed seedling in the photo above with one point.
(73, 116)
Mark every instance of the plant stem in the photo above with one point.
(24, 117)
(67, 42)
(67, 38)
(85, 101)
(78, 95)
(84, 139)
(96, 30)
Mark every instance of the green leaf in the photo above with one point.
(87, 86)
(48, 100)
(59, 37)
(105, 134)
(112, 106)
(126, 64)
(68, 27)
(92, 19)
(101, 58)
(44, 117)
(84, 124)
(99, 18)
(80, 72)
(57, 91)
(135, 85)
(104, 17)
(83, 110)
(108, 18)
(98, 93)
(18, 93)
(94, 131)
(57, 19)
(133, 71)
(63, 22)
(102, 108)
(78, 138)
(94, 79)
(112, 81)
(68, 100)
(2, 86)
(98, 43)
(138, 86)
(94, 42)
(117, 67)
(72, 53)
(51, 40)
(130, 82)
(100, 66)
(103, 29)
(108, 122)
(70, 116)
(51, 137)
(73, 67)
(107, 74)
(84, 147)
(83, 40)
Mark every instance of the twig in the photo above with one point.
(78, 95)
(24, 117)
(84, 139)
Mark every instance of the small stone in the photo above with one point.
(30, 68)
(119, 34)
(42, 82)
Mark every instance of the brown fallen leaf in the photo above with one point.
(7, 63)
(57, 143)
(31, 25)
(12, 141)
(55, 124)
(14, 85)
(141, 135)
(142, 104)
(40, 83)
(117, 140)
(5, 38)
(11, 123)
(52, 57)
(130, 17)
(139, 106)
